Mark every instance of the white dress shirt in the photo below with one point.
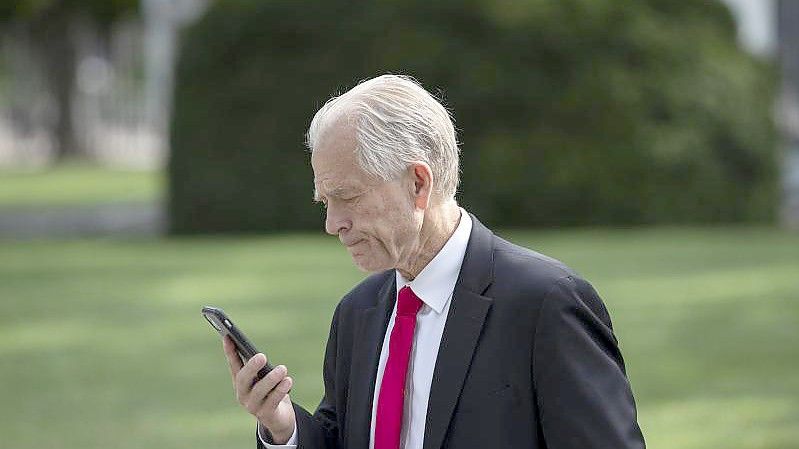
(434, 286)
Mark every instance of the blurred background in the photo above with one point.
(152, 162)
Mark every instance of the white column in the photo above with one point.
(788, 109)
(162, 22)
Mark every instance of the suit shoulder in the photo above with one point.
(366, 293)
(535, 275)
(524, 263)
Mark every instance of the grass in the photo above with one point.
(102, 343)
(77, 185)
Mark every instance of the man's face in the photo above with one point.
(376, 220)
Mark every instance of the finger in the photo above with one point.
(278, 393)
(262, 388)
(245, 376)
(233, 360)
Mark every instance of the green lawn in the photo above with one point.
(102, 344)
(78, 184)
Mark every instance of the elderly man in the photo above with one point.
(459, 339)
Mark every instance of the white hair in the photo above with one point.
(396, 122)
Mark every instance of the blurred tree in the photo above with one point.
(570, 111)
(49, 23)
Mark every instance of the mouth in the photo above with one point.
(351, 244)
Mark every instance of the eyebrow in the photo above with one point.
(335, 192)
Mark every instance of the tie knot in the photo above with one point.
(408, 303)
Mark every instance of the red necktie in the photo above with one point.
(392, 390)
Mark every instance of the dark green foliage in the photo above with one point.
(103, 11)
(569, 111)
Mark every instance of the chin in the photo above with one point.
(369, 265)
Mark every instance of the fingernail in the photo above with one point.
(282, 369)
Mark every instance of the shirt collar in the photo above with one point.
(435, 283)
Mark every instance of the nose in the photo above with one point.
(335, 221)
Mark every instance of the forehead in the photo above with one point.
(334, 161)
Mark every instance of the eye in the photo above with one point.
(350, 198)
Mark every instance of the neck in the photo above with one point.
(438, 226)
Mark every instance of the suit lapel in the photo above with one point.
(467, 314)
(465, 321)
(366, 354)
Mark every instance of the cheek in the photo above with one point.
(387, 219)
(371, 217)
(401, 229)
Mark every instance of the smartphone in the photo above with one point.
(224, 325)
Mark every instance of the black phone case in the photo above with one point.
(224, 325)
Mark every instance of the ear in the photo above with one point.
(422, 177)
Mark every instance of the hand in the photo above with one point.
(267, 399)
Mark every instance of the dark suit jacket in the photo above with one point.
(528, 359)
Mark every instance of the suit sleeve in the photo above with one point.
(320, 430)
(584, 397)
